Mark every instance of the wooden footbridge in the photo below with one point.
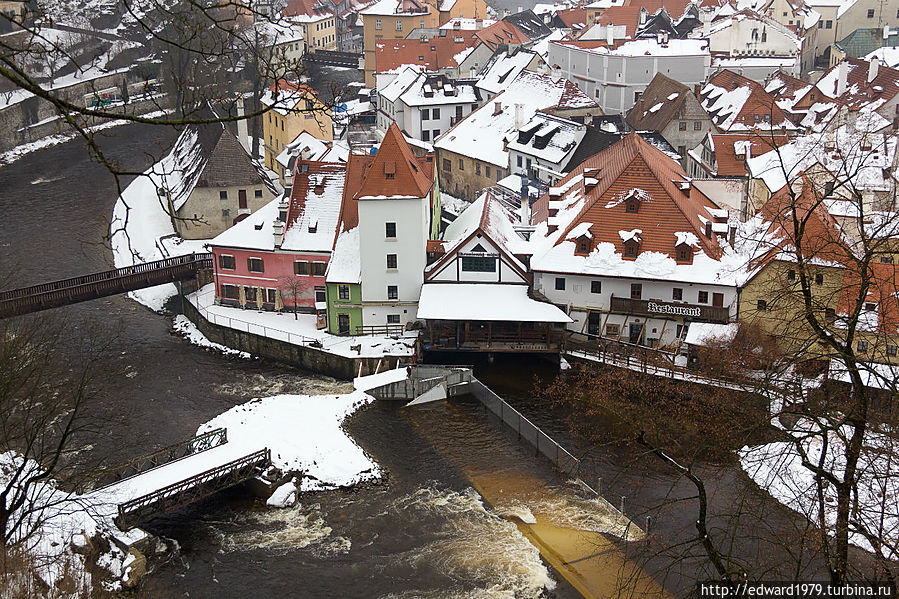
(101, 284)
(176, 476)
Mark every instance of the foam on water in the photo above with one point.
(258, 385)
(283, 530)
(475, 546)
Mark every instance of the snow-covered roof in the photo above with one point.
(308, 147)
(283, 96)
(549, 138)
(736, 103)
(888, 56)
(467, 24)
(481, 135)
(645, 47)
(503, 68)
(703, 333)
(439, 90)
(393, 90)
(484, 302)
(345, 265)
(396, 7)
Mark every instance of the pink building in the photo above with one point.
(276, 257)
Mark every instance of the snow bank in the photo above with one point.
(364, 383)
(139, 219)
(189, 331)
(304, 434)
(284, 496)
(777, 468)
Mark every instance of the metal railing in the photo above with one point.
(526, 429)
(380, 329)
(191, 489)
(253, 328)
(167, 455)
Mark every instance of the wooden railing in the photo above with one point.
(381, 329)
(101, 284)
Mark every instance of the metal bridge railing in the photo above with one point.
(192, 489)
(167, 455)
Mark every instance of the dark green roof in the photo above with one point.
(862, 42)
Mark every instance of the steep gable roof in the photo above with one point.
(395, 171)
(662, 100)
(670, 211)
(529, 24)
(786, 89)
(736, 103)
(858, 90)
(501, 32)
(430, 54)
(730, 162)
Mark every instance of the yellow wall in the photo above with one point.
(371, 34)
(279, 130)
(320, 35)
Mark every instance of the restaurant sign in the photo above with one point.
(673, 310)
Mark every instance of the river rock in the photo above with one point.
(135, 567)
(284, 496)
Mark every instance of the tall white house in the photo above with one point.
(395, 196)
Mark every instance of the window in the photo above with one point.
(761, 305)
(636, 290)
(677, 294)
(886, 259)
(255, 265)
(425, 114)
(870, 306)
(828, 25)
(458, 112)
(227, 262)
(435, 134)
(425, 135)
(819, 279)
(399, 25)
(891, 351)
(791, 275)
(229, 291)
(630, 249)
(270, 295)
(393, 319)
(378, 24)
(697, 125)
(682, 126)
(223, 195)
(435, 113)
(226, 212)
(391, 260)
(390, 230)
(862, 347)
(461, 165)
(487, 171)
(703, 297)
(392, 292)
(684, 254)
(632, 205)
(499, 174)
(479, 263)
(320, 295)
(613, 330)
(595, 286)
(343, 292)
(257, 193)
(447, 165)
(301, 268)
(560, 283)
(318, 269)
(518, 160)
(870, 13)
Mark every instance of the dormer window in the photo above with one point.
(632, 205)
(684, 253)
(583, 245)
(631, 248)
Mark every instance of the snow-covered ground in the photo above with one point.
(304, 434)
(777, 468)
(300, 330)
(189, 331)
(139, 220)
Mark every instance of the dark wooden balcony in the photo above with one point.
(509, 337)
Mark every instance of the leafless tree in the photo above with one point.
(294, 288)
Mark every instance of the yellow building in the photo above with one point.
(392, 20)
(294, 109)
(316, 22)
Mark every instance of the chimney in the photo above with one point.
(642, 16)
(886, 32)
(497, 108)
(732, 235)
(708, 229)
(520, 8)
(278, 231)
(242, 135)
(873, 67)
(842, 77)
(519, 115)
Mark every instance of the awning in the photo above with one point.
(487, 301)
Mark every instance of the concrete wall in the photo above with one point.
(309, 358)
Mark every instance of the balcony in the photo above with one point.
(674, 310)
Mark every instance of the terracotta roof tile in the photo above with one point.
(729, 165)
(435, 53)
(660, 89)
(395, 171)
(744, 112)
(501, 32)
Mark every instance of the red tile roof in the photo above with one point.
(858, 91)
(759, 103)
(310, 8)
(395, 170)
(433, 54)
(670, 205)
(882, 284)
(501, 32)
(729, 165)
(629, 16)
(574, 18)
(301, 189)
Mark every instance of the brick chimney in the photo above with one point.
(497, 108)
(873, 68)
(278, 232)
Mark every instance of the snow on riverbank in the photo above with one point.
(300, 329)
(139, 219)
(189, 331)
(777, 468)
(304, 434)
